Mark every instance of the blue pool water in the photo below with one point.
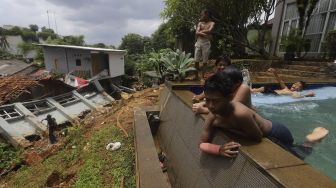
(301, 116)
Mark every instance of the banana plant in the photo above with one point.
(178, 65)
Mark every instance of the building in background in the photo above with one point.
(322, 21)
(86, 61)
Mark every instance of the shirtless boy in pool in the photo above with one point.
(236, 117)
(294, 91)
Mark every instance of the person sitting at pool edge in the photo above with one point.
(235, 117)
(242, 92)
(294, 91)
(221, 63)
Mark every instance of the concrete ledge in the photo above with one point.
(149, 173)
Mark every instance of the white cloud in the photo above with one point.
(104, 21)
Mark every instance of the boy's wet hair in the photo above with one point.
(219, 82)
(234, 73)
(223, 58)
(302, 83)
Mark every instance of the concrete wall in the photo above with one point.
(55, 60)
(83, 56)
(117, 65)
(63, 60)
(13, 42)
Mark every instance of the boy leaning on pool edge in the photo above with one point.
(236, 117)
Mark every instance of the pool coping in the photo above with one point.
(148, 171)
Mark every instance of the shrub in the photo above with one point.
(177, 64)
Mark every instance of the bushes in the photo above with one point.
(9, 157)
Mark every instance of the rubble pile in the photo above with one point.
(12, 87)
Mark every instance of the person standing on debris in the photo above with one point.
(51, 128)
(203, 37)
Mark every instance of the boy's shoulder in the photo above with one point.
(240, 110)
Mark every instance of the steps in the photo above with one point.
(295, 71)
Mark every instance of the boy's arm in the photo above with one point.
(209, 30)
(198, 30)
(298, 95)
(281, 82)
(206, 134)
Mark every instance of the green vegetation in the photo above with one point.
(231, 22)
(85, 160)
(293, 44)
(9, 157)
(177, 64)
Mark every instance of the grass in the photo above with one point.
(9, 156)
(84, 162)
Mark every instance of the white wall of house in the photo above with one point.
(63, 60)
(55, 60)
(84, 58)
(116, 63)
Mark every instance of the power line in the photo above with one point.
(55, 23)
(48, 19)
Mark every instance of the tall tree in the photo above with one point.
(33, 27)
(230, 20)
(163, 37)
(133, 43)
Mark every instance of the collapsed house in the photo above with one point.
(92, 80)
(21, 122)
(85, 62)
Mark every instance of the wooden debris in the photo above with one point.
(12, 87)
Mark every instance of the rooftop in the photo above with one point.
(82, 48)
(10, 67)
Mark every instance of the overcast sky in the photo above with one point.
(105, 21)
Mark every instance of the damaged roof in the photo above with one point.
(10, 67)
(82, 48)
(13, 86)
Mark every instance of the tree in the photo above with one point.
(67, 40)
(133, 43)
(33, 27)
(28, 35)
(14, 31)
(100, 45)
(305, 9)
(74, 40)
(163, 37)
(44, 29)
(47, 33)
(231, 21)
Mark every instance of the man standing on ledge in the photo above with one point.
(203, 38)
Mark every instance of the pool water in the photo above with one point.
(301, 116)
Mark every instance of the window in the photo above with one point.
(78, 62)
(9, 113)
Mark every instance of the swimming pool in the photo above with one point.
(301, 116)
